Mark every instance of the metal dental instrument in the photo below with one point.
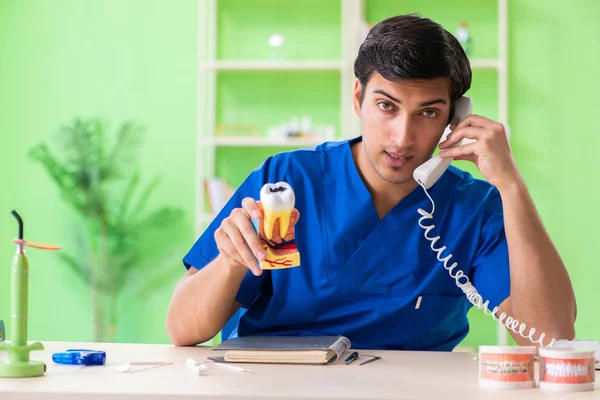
(375, 358)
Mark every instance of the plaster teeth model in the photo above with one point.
(278, 238)
(278, 203)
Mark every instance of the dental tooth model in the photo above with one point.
(276, 226)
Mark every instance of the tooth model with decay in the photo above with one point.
(276, 226)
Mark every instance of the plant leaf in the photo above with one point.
(138, 208)
(61, 176)
(155, 279)
(81, 268)
(160, 219)
(127, 199)
(126, 148)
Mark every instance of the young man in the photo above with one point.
(367, 271)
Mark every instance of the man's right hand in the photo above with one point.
(237, 240)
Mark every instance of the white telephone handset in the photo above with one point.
(426, 175)
(430, 171)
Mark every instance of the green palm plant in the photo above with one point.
(96, 175)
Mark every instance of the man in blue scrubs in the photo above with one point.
(367, 270)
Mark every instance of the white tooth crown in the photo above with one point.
(278, 201)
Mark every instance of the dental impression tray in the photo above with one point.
(276, 226)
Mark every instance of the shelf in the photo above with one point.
(239, 81)
(485, 64)
(274, 65)
(258, 141)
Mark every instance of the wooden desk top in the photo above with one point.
(399, 375)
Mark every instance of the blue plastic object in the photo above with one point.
(80, 357)
(2, 334)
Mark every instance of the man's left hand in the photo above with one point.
(490, 152)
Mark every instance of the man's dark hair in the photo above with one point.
(408, 47)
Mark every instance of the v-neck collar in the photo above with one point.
(410, 199)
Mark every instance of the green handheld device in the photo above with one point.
(18, 364)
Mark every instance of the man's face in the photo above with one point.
(402, 123)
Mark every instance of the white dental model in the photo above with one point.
(278, 202)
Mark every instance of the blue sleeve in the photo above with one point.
(205, 249)
(491, 275)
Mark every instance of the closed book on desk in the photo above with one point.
(284, 349)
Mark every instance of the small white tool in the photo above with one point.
(199, 368)
(229, 367)
(126, 367)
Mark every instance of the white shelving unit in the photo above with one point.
(352, 24)
(210, 66)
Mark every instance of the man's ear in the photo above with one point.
(356, 97)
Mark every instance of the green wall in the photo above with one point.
(554, 86)
(137, 60)
(114, 60)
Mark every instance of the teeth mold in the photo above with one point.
(567, 370)
(507, 367)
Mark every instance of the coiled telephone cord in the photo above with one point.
(464, 283)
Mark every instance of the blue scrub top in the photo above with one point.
(361, 277)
